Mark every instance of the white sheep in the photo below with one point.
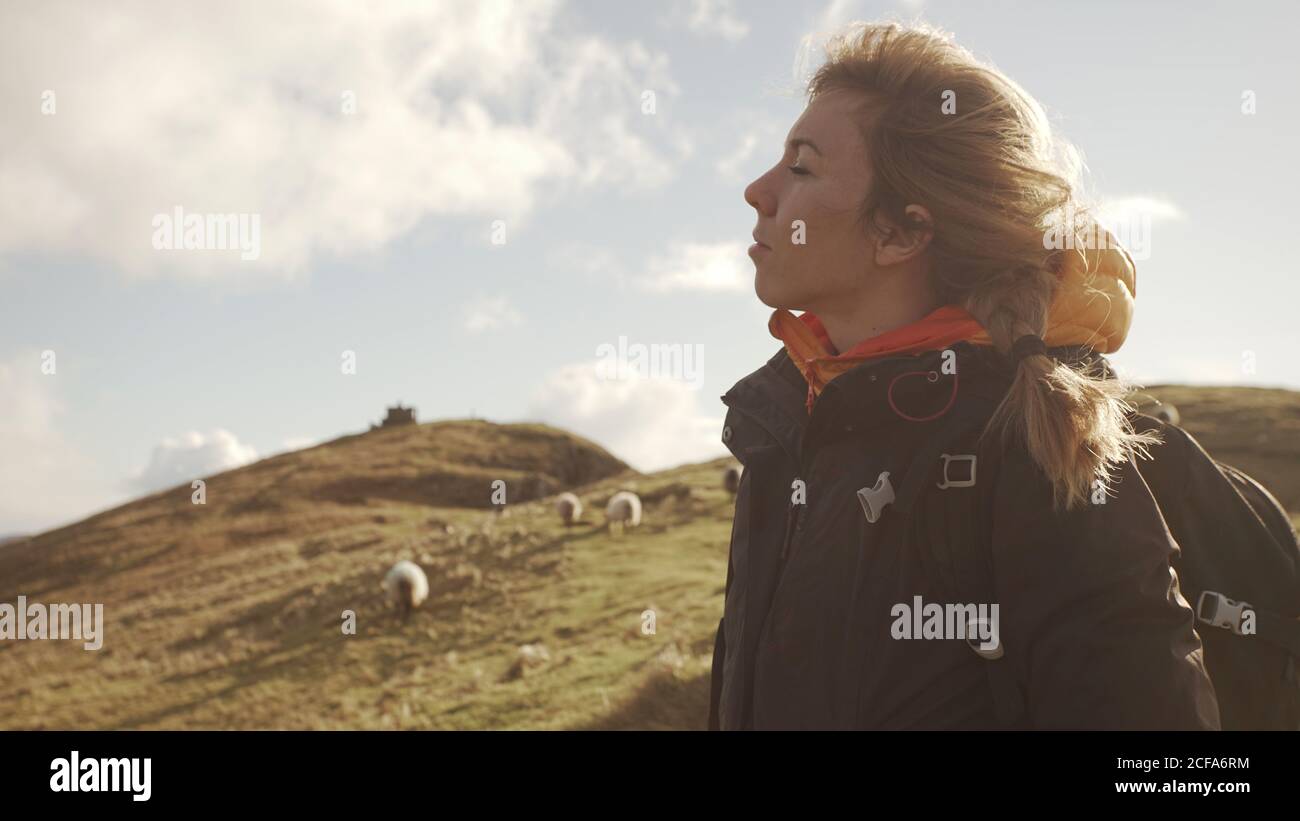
(406, 586)
(569, 507)
(731, 478)
(623, 510)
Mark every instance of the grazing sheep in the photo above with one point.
(1166, 412)
(623, 510)
(406, 586)
(529, 656)
(569, 507)
(731, 478)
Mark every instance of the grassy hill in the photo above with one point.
(228, 614)
(1254, 429)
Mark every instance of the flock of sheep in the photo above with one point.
(407, 587)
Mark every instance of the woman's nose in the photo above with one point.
(758, 196)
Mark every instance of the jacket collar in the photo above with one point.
(773, 396)
(884, 391)
(811, 350)
(1092, 307)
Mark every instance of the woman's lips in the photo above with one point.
(758, 248)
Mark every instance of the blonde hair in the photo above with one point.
(995, 181)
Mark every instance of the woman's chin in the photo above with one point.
(774, 297)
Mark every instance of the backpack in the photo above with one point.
(1238, 567)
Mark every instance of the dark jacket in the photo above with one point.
(1091, 618)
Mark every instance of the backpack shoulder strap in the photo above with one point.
(958, 522)
(961, 551)
(963, 425)
(973, 575)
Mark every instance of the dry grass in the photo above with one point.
(228, 615)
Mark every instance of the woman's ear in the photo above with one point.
(898, 243)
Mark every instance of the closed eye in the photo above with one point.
(794, 169)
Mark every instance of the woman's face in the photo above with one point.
(812, 250)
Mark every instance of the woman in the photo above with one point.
(954, 318)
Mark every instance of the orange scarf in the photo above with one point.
(1093, 306)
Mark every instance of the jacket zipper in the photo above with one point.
(791, 527)
(793, 512)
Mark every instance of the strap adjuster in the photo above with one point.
(949, 459)
(1218, 610)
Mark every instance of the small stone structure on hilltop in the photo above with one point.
(397, 415)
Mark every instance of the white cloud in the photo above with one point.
(298, 443)
(651, 424)
(44, 479)
(729, 167)
(711, 17)
(1128, 208)
(490, 314)
(833, 19)
(1130, 221)
(193, 456)
(461, 109)
(835, 14)
(1156, 369)
(596, 262)
(829, 21)
(689, 266)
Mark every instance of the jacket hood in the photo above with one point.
(1095, 303)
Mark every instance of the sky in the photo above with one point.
(475, 208)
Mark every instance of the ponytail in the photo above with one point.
(1074, 421)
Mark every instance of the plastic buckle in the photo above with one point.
(874, 499)
(1218, 610)
(949, 459)
(973, 641)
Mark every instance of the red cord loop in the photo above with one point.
(932, 376)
